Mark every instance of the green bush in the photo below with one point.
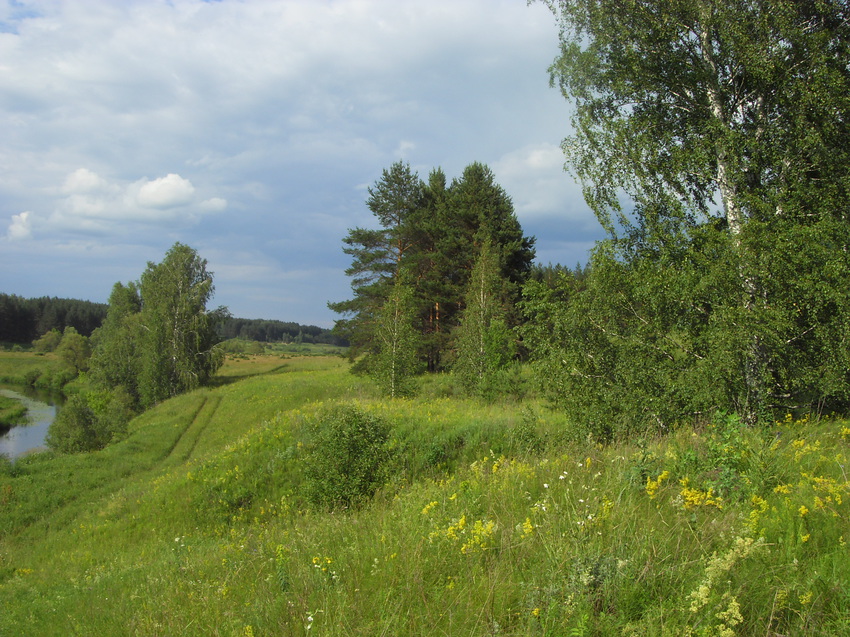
(48, 342)
(91, 421)
(75, 428)
(347, 457)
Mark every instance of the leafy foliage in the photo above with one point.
(158, 339)
(179, 333)
(90, 421)
(74, 350)
(117, 351)
(395, 364)
(347, 459)
(485, 343)
(656, 335)
(48, 342)
(679, 106)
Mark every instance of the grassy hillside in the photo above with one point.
(492, 520)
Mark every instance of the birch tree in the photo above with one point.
(178, 331)
(396, 363)
(485, 344)
(709, 113)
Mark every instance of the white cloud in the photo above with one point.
(165, 192)
(216, 204)
(90, 203)
(83, 181)
(404, 148)
(20, 228)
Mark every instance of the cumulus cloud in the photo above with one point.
(166, 192)
(83, 181)
(89, 202)
(20, 228)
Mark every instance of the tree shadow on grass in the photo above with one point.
(221, 381)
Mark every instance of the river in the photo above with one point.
(41, 411)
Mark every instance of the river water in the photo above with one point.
(41, 411)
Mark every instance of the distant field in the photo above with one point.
(278, 358)
(21, 368)
(306, 349)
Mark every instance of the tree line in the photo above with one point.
(23, 320)
(270, 331)
(711, 142)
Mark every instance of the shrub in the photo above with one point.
(347, 457)
(90, 421)
(75, 428)
(48, 342)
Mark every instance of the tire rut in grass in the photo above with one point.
(186, 424)
(185, 446)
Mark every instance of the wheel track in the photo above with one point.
(185, 445)
(186, 425)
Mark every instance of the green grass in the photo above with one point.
(27, 368)
(495, 520)
(12, 412)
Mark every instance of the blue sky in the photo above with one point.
(251, 129)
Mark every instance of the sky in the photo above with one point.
(250, 130)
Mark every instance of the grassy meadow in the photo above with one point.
(27, 368)
(492, 519)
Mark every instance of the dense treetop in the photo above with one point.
(434, 232)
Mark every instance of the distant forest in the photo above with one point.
(277, 332)
(24, 320)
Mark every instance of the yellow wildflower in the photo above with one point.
(481, 537)
(652, 486)
(693, 498)
(429, 506)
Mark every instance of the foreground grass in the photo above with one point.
(495, 521)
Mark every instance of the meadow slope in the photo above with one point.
(492, 520)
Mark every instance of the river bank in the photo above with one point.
(41, 409)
